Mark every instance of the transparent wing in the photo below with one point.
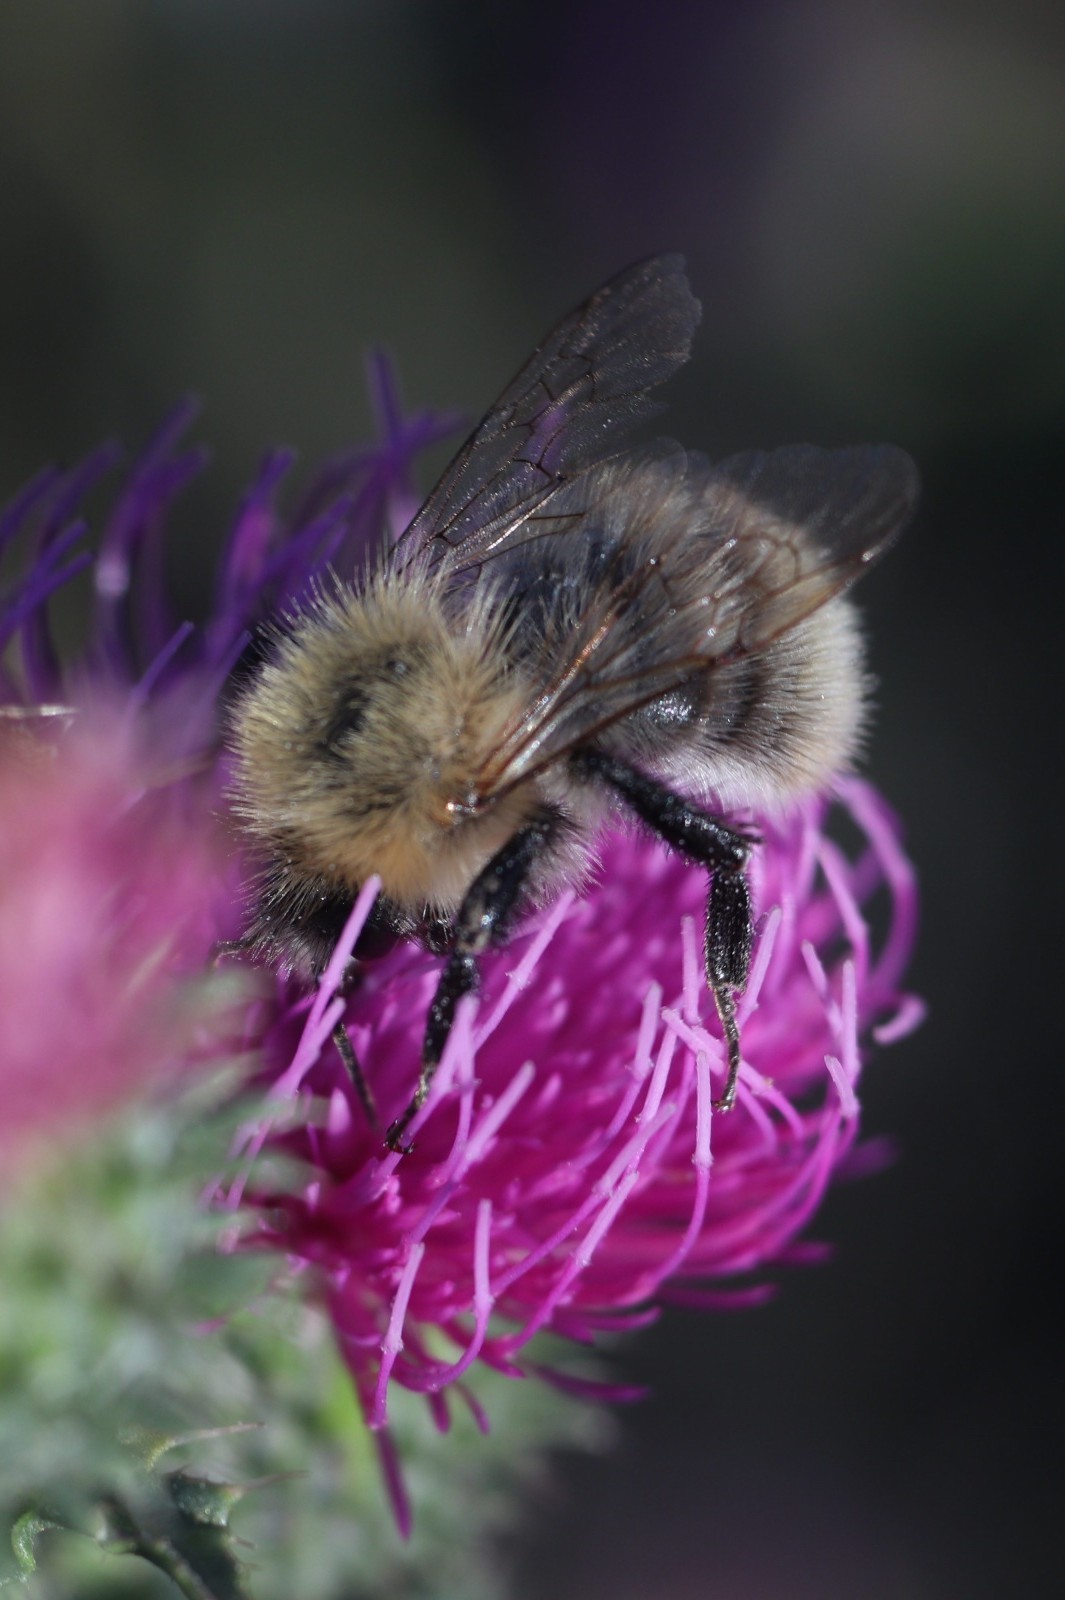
(569, 406)
(805, 524)
(743, 552)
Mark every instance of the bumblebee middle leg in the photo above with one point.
(725, 851)
(484, 918)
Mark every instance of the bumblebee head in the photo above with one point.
(358, 745)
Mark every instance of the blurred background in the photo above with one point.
(239, 197)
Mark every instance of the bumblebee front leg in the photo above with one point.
(483, 919)
(344, 1048)
(725, 851)
(346, 1051)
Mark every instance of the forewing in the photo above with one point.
(570, 405)
(769, 538)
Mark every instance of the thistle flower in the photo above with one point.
(569, 1174)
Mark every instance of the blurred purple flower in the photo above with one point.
(105, 904)
(116, 877)
(569, 1174)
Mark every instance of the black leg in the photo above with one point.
(346, 1052)
(724, 851)
(344, 1049)
(483, 919)
(728, 960)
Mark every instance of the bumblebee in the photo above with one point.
(570, 631)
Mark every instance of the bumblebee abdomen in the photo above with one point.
(766, 727)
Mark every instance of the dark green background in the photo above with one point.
(239, 196)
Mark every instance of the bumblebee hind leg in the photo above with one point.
(729, 938)
(725, 851)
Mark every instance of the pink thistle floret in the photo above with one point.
(568, 1171)
(107, 891)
